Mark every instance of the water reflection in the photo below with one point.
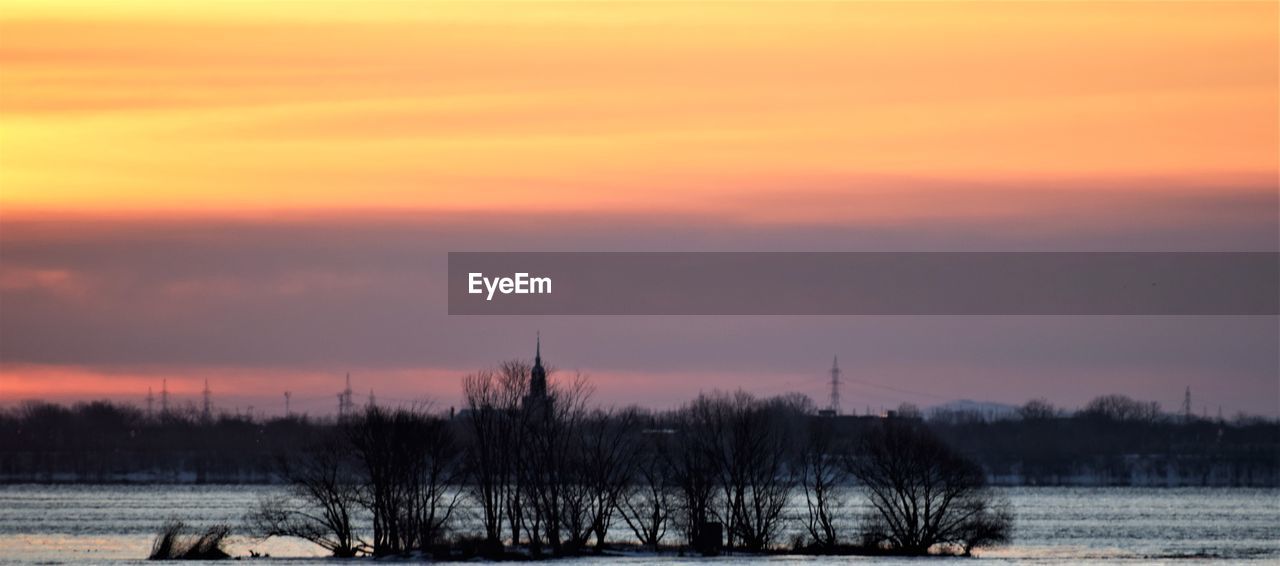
(78, 524)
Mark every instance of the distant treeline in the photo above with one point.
(537, 472)
(1112, 441)
(1117, 441)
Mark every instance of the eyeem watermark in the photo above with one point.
(866, 283)
(519, 284)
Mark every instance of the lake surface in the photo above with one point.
(90, 524)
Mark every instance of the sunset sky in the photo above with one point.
(262, 193)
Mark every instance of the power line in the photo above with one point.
(898, 389)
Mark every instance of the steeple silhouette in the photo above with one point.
(538, 375)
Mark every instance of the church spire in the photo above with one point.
(538, 374)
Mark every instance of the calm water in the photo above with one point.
(101, 524)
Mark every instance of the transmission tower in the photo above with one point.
(835, 386)
(345, 404)
(1186, 406)
(206, 412)
(287, 395)
(164, 397)
(151, 403)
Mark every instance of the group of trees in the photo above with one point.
(544, 469)
(924, 493)
(1115, 440)
(553, 475)
(101, 441)
(397, 468)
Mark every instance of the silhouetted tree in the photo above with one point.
(555, 509)
(1120, 408)
(323, 497)
(769, 433)
(748, 444)
(922, 493)
(649, 501)
(992, 527)
(514, 379)
(694, 469)
(493, 425)
(1037, 410)
(556, 474)
(909, 411)
(409, 462)
(821, 475)
(607, 458)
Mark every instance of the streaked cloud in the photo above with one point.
(262, 193)
(260, 306)
(652, 106)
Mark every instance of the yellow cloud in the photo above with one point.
(249, 106)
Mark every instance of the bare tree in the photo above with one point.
(693, 466)
(648, 504)
(1037, 410)
(432, 488)
(764, 437)
(492, 427)
(990, 528)
(322, 500)
(1120, 408)
(821, 474)
(922, 493)
(609, 442)
(514, 379)
(409, 460)
(909, 411)
(555, 510)
(747, 443)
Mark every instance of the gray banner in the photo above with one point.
(868, 283)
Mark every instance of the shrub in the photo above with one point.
(177, 541)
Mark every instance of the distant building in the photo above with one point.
(537, 379)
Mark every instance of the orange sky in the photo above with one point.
(1047, 121)
(244, 107)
